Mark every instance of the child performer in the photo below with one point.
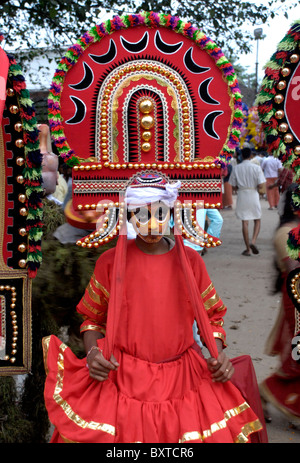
(144, 379)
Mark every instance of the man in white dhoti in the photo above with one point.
(246, 178)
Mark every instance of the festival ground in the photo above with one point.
(245, 285)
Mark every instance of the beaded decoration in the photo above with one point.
(293, 287)
(21, 214)
(23, 176)
(140, 93)
(278, 107)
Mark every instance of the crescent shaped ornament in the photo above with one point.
(164, 47)
(80, 111)
(191, 65)
(204, 92)
(106, 57)
(185, 223)
(208, 124)
(136, 47)
(87, 79)
(113, 218)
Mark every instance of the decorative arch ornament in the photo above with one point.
(278, 105)
(21, 215)
(189, 118)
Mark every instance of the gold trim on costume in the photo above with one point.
(45, 344)
(220, 309)
(190, 436)
(217, 322)
(218, 335)
(69, 412)
(208, 290)
(92, 309)
(242, 437)
(249, 428)
(95, 296)
(100, 286)
(211, 301)
(92, 328)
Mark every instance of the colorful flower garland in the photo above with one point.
(149, 19)
(267, 101)
(256, 134)
(244, 138)
(32, 172)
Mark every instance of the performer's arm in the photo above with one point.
(215, 309)
(221, 367)
(99, 367)
(93, 308)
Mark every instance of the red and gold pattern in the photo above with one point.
(146, 92)
(160, 391)
(278, 108)
(233, 424)
(20, 220)
(94, 304)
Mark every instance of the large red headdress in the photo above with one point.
(278, 107)
(145, 93)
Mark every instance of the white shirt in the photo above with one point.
(270, 166)
(247, 175)
(257, 160)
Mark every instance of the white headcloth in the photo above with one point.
(142, 195)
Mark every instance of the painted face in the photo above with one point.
(151, 221)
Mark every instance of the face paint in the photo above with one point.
(151, 221)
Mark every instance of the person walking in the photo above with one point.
(246, 178)
(227, 188)
(272, 167)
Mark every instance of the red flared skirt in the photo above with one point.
(170, 402)
(283, 393)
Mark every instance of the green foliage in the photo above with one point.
(14, 427)
(60, 22)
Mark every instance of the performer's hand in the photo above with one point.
(99, 367)
(221, 368)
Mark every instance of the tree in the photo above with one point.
(56, 23)
(243, 75)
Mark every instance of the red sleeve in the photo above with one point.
(213, 304)
(94, 303)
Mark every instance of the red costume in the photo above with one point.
(282, 387)
(163, 390)
(158, 104)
